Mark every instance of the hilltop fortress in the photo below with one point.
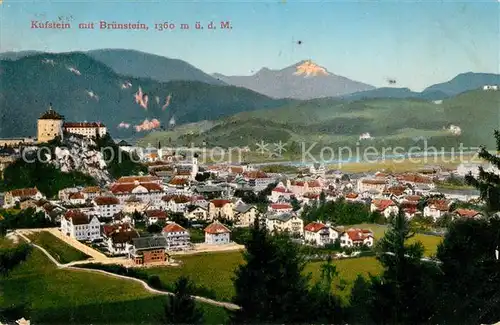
(51, 125)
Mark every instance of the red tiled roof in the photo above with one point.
(128, 188)
(173, 227)
(415, 178)
(156, 214)
(176, 198)
(216, 228)
(281, 206)
(77, 217)
(77, 196)
(219, 203)
(236, 170)
(314, 227)
(356, 234)
(23, 192)
(383, 204)
(314, 184)
(395, 190)
(255, 174)
(281, 189)
(351, 195)
(469, 213)
(140, 179)
(91, 189)
(106, 200)
(415, 198)
(178, 181)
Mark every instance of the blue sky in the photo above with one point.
(417, 43)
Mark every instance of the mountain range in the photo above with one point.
(303, 80)
(110, 85)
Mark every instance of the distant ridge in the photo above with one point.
(303, 80)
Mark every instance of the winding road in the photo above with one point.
(226, 305)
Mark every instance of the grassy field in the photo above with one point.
(430, 242)
(216, 270)
(61, 251)
(54, 296)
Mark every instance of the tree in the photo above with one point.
(295, 203)
(12, 257)
(270, 286)
(154, 228)
(202, 177)
(470, 283)
(360, 300)
(488, 183)
(327, 306)
(404, 293)
(322, 198)
(181, 307)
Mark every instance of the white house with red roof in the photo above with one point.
(356, 237)
(285, 222)
(352, 197)
(118, 237)
(280, 192)
(177, 237)
(372, 184)
(385, 207)
(257, 179)
(300, 187)
(320, 234)
(107, 206)
(76, 198)
(80, 226)
(218, 234)
(154, 215)
(436, 208)
(148, 192)
(221, 208)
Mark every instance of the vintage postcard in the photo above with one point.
(249, 162)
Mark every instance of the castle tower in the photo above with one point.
(49, 126)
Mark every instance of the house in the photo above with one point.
(385, 207)
(416, 180)
(244, 214)
(177, 237)
(300, 187)
(175, 203)
(436, 208)
(285, 222)
(221, 208)
(217, 233)
(148, 250)
(320, 234)
(196, 212)
(154, 216)
(466, 213)
(280, 192)
(258, 179)
(107, 206)
(15, 196)
(27, 203)
(280, 207)
(356, 237)
(91, 192)
(139, 179)
(80, 226)
(118, 237)
(148, 192)
(377, 184)
(76, 198)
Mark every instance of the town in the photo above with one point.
(144, 219)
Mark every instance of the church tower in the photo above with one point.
(49, 126)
